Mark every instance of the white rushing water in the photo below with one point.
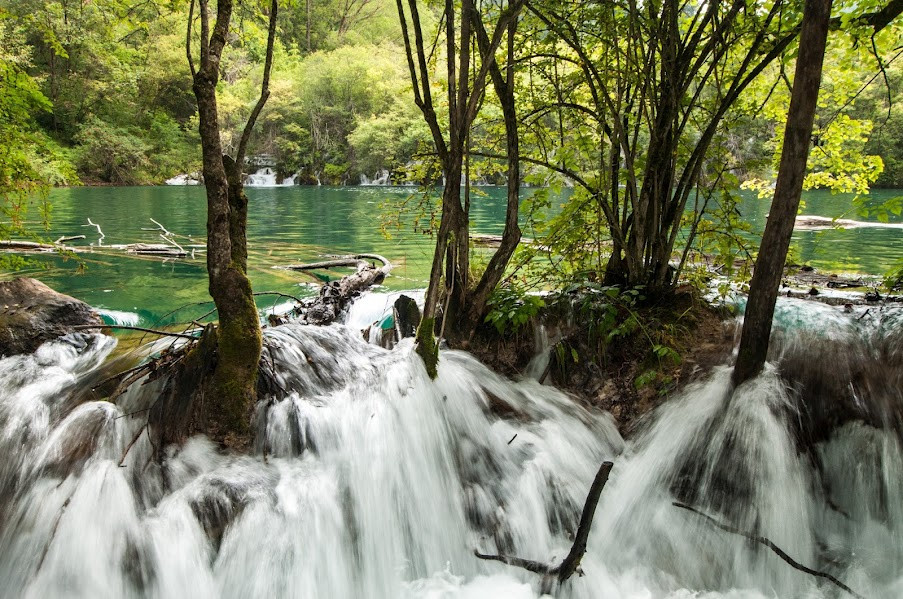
(370, 480)
(266, 177)
(380, 178)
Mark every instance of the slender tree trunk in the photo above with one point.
(478, 299)
(309, 23)
(231, 394)
(766, 279)
(465, 89)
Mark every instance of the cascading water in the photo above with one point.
(380, 178)
(184, 179)
(266, 177)
(370, 480)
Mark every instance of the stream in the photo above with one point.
(370, 480)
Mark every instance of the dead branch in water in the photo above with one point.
(15, 245)
(128, 328)
(130, 445)
(569, 565)
(99, 231)
(278, 294)
(56, 526)
(768, 543)
(66, 238)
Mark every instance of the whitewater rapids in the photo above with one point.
(371, 480)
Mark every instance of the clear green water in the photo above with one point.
(286, 225)
(301, 224)
(864, 250)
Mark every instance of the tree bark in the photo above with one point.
(769, 267)
(232, 388)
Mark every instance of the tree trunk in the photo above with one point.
(766, 279)
(465, 89)
(478, 299)
(238, 337)
(229, 397)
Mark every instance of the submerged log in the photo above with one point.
(494, 241)
(17, 245)
(154, 249)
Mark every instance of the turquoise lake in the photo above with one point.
(302, 224)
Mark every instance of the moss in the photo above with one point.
(427, 348)
(234, 381)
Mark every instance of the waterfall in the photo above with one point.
(266, 177)
(380, 178)
(370, 480)
(184, 179)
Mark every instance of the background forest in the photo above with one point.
(99, 93)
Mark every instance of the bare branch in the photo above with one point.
(128, 328)
(571, 562)
(188, 39)
(768, 543)
(264, 90)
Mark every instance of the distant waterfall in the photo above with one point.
(380, 178)
(266, 177)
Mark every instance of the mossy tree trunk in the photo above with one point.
(232, 387)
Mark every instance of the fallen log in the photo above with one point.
(15, 245)
(356, 260)
(334, 296)
(558, 574)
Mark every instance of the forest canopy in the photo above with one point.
(107, 94)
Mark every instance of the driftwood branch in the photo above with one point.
(768, 543)
(66, 238)
(132, 444)
(16, 245)
(571, 563)
(99, 231)
(128, 328)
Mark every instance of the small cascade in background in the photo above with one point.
(368, 479)
(380, 178)
(184, 179)
(266, 177)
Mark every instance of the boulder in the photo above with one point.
(32, 313)
(407, 316)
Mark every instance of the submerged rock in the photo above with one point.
(32, 313)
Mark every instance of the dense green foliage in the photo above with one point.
(118, 94)
(29, 159)
(101, 91)
(115, 89)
